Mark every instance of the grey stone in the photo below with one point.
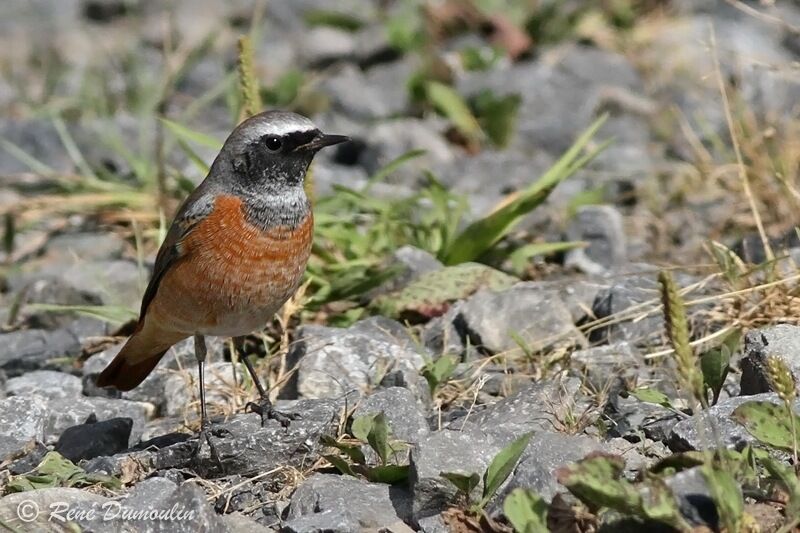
(714, 427)
(330, 521)
(370, 505)
(47, 383)
(333, 361)
(490, 175)
(239, 523)
(22, 421)
(152, 389)
(538, 318)
(545, 453)
(85, 246)
(62, 415)
(782, 341)
(39, 140)
(323, 45)
(633, 285)
(351, 95)
(411, 263)
(53, 291)
(561, 92)
(391, 139)
(445, 335)
(181, 389)
(49, 506)
(601, 227)
(31, 349)
(545, 406)
(464, 452)
(632, 418)
(401, 410)
(610, 367)
(190, 512)
(694, 497)
(244, 446)
(433, 524)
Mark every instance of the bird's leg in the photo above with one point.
(264, 406)
(200, 353)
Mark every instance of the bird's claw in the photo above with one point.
(267, 411)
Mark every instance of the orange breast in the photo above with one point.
(232, 276)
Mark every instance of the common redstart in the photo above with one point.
(235, 252)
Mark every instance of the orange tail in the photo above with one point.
(135, 361)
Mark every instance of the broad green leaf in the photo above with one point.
(526, 511)
(647, 395)
(497, 115)
(484, 233)
(726, 494)
(715, 364)
(438, 371)
(351, 450)
(340, 464)
(56, 471)
(389, 474)
(378, 437)
(333, 19)
(182, 132)
(431, 294)
(769, 423)
(362, 426)
(449, 103)
(465, 483)
(501, 467)
(109, 313)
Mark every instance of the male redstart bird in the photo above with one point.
(235, 252)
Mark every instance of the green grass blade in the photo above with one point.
(482, 234)
(25, 158)
(108, 313)
(448, 102)
(182, 132)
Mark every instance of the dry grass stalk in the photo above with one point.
(248, 82)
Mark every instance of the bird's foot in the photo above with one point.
(205, 448)
(267, 411)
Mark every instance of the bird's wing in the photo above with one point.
(196, 207)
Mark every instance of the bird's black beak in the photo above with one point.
(322, 140)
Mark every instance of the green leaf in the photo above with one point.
(501, 467)
(449, 103)
(715, 365)
(465, 483)
(438, 371)
(362, 426)
(378, 438)
(182, 132)
(497, 115)
(351, 450)
(647, 395)
(109, 313)
(768, 422)
(787, 477)
(57, 471)
(340, 464)
(483, 234)
(431, 294)
(392, 166)
(526, 511)
(333, 19)
(389, 474)
(727, 495)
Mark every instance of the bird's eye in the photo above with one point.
(273, 143)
